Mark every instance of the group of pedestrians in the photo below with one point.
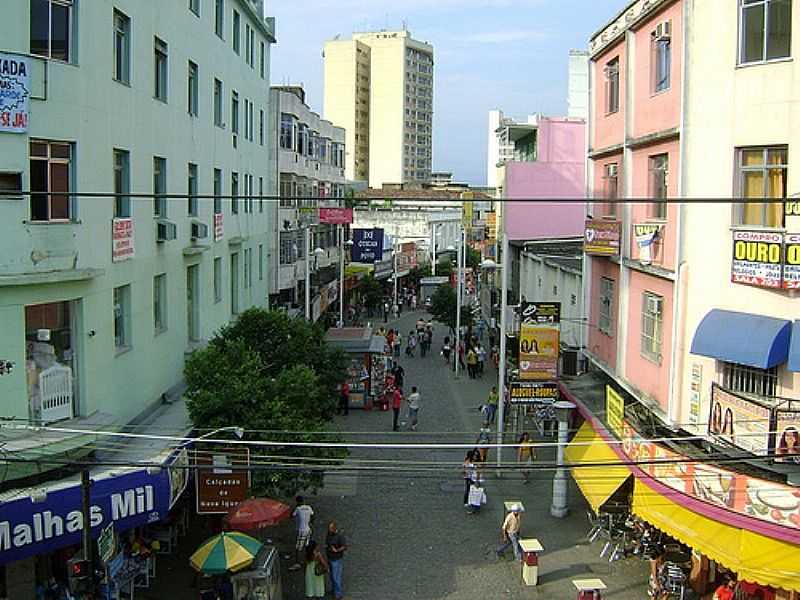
(323, 560)
(394, 390)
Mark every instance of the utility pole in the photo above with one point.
(501, 371)
(341, 275)
(459, 286)
(307, 243)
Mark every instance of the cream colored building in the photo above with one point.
(379, 87)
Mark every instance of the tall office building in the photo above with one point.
(379, 87)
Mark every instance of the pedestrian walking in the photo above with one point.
(335, 546)
(470, 473)
(526, 454)
(484, 439)
(413, 407)
(510, 532)
(316, 569)
(303, 515)
(385, 312)
(399, 374)
(461, 354)
(481, 359)
(446, 350)
(492, 401)
(472, 363)
(397, 341)
(344, 398)
(397, 402)
(413, 302)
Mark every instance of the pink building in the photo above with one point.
(636, 78)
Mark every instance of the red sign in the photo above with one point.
(121, 240)
(336, 216)
(219, 486)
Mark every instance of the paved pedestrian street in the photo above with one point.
(408, 532)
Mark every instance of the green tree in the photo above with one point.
(444, 305)
(473, 258)
(269, 374)
(372, 291)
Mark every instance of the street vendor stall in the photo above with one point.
(368, 365)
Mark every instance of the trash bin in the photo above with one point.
(589, 589)
(530, 560)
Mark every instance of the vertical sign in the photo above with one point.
(220, 487)
(15, 93)
(615, 411)
(539, 340)
(694, 394)
(122, 239)
(219, 228)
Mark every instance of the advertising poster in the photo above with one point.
(539, 340)
(757, 258)
(787, 436)
(615, 411)
(15, 93)
(695, 389)
(219, 228)
(602, 237)
(739, 421)
(121, 240)
(791, 262)
(531, 392)
(367, 245)
(219, 487)
(645, 235)
(336, 216)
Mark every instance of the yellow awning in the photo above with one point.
(754, 557)
(597, 483)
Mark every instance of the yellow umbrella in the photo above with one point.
(230, 551)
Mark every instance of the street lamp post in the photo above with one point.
(559, 507)
(317, 253)
(501, 370)
(459, 291)
(342, 245)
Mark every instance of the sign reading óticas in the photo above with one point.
(367, 245)
(15, 92)
(602, 237)
(757, 258)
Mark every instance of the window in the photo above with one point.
(261, 194)
(612, 86)
(235, 193)
(191, 186)
(217, 191)
(261, 127)
(252, 50)
(160, 303)
(261, 262)
(661, 56)
(659, 171)
(762, 174)
(288, 247)
(159, 186)
(605, 320)
(235, 112)
(192, 303)
(237, 42)
(652, 326)
(217, 280)
(750, 380)
(766, 30)
(247, 44)
(287, 131)
(51, 28)
(193, 89)
(248, 264)
(246, 119)
(262, 68)
(218, 103)
(160, 72)
(219, 18)
(611, 187)
(122, 315)
(194, 6)
(50, 167)
(122, 48)
(235, 283)
(122, 184)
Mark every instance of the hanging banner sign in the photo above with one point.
(645, 236)
(336, 216)
(791, 261)
(15, 93)
(367, 245)
(539, 340)
(530, 392)
(122, 247)
(757, 258)
(739, 421)
(541, 313)
(602, 237)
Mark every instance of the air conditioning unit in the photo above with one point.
(199, 230)
(166, 231)
(663, 31)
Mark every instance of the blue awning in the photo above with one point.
(794, 348)
(742, 338)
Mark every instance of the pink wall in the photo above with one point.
(598, 166)
(649, 377)
(656, 112)
(559, 172)
(602, 345)
(665, 250)
(609, 129)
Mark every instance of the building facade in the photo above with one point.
(379, 85)
(309, 163)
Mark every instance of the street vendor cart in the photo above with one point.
(368, 363)
(262, 580)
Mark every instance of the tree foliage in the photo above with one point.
(444, 305)
(372, 291)
(269, 373)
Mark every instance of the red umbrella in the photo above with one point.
(257, 513)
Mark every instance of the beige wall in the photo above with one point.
(340, 95)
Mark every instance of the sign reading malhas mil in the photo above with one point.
(15, 92)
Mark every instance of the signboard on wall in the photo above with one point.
(15, 93)
(336, 216)
(787, 435)
(529, 392)
(367, 245)
(220, 487)
(757, 258)
(539, 341)
(615, 411)
(602, 237)
(739, 421)
(695, 390)
(219, 229)
(122, 247)
(791, 261)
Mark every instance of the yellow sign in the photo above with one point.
(491, 226)
(615, 411)
(538, 352)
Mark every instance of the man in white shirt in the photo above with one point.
(413, 407)
(303, 514)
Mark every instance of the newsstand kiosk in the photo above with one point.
(368, 363)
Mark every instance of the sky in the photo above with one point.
(488, 54)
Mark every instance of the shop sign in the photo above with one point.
(757, 258)
(15, 93)
(384, 269)
(541, 313)
(530, 392)
(29, 528)
(367, 245)
(307, 215)
(122, 239)
(539, 341)
(106, 543)
(219, 229)
(791, 262)
(491, 226)
(219, 487)
(178, 475)
(787, 436)
(602, 237)
(615, 411)
(336, 216)
(695, 390)
(764, 500)
(739, 421)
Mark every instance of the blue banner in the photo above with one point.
(129, 500)
(367, 245)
